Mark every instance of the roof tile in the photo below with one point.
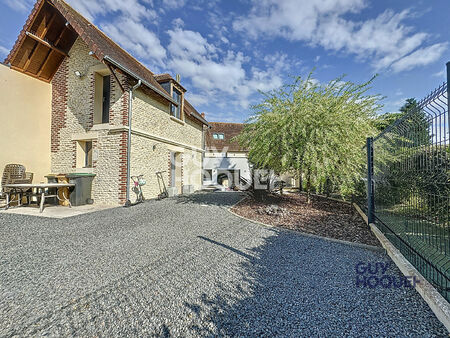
(230, 130)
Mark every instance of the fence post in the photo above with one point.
(448, 91)
(370, 186)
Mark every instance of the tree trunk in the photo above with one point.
(300, 181)
(308, 187)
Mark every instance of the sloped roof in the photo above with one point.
(189, 110)
(57, 25)
(230, 130)
(43, 43)
(99, 43)
(163, 77)
(102, 45)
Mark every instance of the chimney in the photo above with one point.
(203, 115)
(178, 78)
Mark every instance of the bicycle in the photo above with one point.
(137, 189)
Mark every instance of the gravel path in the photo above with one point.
(187, 267)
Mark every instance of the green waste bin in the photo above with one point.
(81, 194)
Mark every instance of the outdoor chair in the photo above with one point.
(15, 174)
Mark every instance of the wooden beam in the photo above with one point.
(27, 63)
(115, 76)
(36, 14)
(50, 52)
(41, 68)
(44, 32)
(47, 26)
(30, 74)
(47, 44)
(50, 3)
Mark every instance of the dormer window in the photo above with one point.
(176, 110)
(176, 91)
(218, 136)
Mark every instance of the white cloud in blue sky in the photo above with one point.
(227, 51)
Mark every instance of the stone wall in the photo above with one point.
(152, 116)
(155, 133)
(72, 117)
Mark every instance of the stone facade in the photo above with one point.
(154, 134)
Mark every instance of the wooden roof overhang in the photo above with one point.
(43, 44)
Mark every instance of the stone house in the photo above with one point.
(226, 162)
(97, 91)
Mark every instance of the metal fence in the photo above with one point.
(408, 194)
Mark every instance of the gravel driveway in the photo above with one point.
(187, 267)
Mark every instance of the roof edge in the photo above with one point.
(137, 77)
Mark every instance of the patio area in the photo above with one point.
(55, 211)
(188, 267)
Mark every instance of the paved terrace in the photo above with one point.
(188, 267)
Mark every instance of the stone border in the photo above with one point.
(361, 213)
(432, 297)
(333, 240)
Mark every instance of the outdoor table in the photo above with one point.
(41, 191)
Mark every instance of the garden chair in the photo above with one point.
(15, 174)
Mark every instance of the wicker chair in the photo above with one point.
(15, 174)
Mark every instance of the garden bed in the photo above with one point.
(323, 217)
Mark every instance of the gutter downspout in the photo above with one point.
(130, 112)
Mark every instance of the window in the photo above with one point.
(166, 86)
(218, 136)
(207, 174)
(176, 110)
(84, 154)
(102, 98)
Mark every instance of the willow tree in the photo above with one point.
(314, 130)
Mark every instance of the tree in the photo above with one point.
(315, 130)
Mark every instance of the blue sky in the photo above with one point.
(225, 51)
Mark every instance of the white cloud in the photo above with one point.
(137, 39)
(420, 57)
(221, 116)
(173, 4)
(441, 74)
(291, 19)
(216, 74)
(178, 22)
(134, 9)
(382, 40)
(189, 44)
(20, 5)
(197, 99)
(3, 51)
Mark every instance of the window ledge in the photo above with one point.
(84, 170)
(90, 135)
(173, 118)
(101, 126)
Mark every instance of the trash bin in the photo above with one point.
(83, 188)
